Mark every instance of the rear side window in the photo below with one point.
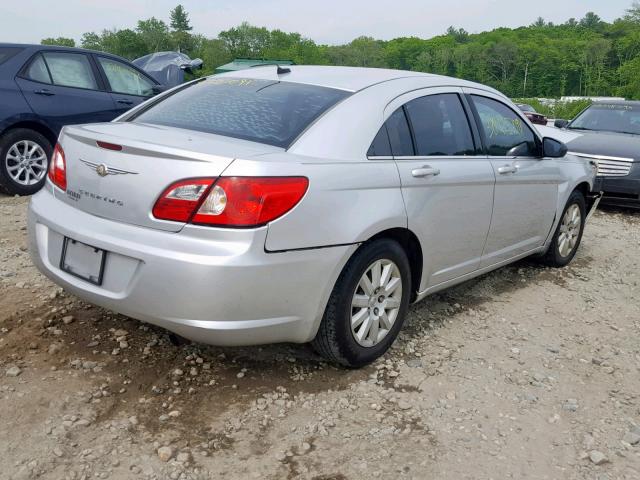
(70, 70)
(440, 125)
(399, 134)
(380, 147)
(37, 70)
(503, 129)
(264, 111)
(7, 52)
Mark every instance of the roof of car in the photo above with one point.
(351, 79)
(634, 103)
(54, 47)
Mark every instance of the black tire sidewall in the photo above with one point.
(355, 354)
(576, 198)
(6, 141)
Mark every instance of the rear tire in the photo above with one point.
(568, 234)
(340, 338)
(24, 160)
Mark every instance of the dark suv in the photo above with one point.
(43, 88)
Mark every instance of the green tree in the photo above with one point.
(62, 41)
(154, 34)
(180, 20)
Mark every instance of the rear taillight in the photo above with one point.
(230, 201)
(179, 202)
(58, 168)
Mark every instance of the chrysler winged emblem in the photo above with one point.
(104, 170)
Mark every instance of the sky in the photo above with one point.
(325, 21)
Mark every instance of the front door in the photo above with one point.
(526, 190)
(447, 188)
(128, 86)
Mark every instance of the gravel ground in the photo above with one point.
(523, 373)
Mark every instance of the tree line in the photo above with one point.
(578, 57)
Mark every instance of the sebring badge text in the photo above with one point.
(76, 196)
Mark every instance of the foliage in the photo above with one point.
(61, 41)
(581, 57)
(557, 109)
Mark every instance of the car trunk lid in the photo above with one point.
(123, 181)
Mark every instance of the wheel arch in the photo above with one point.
(411, 245)
(42, 129)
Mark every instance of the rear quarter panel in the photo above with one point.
(346, 202)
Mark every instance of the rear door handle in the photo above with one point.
(125, 102)
(44, 91)
(507, 169)
(426, 171)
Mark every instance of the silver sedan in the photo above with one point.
(303, 204)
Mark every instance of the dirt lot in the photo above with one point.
(524, 373)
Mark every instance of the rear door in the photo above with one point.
(62, 87)
(526, 184)
(128, 86)
(447, 188)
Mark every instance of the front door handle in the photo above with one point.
(507, 169)
(426, 171)
(44, 91)
(125, 102)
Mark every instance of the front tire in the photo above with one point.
(367, 306)
(24, 160)
(568, 235)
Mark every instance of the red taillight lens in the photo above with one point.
(250, 201)
(58, 168)
(230, 201)
(179, 202)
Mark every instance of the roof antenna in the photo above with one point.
(283, 70)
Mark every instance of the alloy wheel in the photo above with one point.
(26, 162)
(569, 230)
(376, 303)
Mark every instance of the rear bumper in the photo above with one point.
(212, 286)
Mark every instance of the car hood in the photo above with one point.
(608, 144)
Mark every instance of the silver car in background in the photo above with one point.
(303, 204)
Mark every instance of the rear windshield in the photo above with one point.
(7, 52)
(264, 111)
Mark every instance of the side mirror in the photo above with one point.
(553, 148)
(560, 123)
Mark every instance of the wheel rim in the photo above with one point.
(376, 303)
(26, 162)
(569, 230)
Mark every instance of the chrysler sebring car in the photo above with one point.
(303, 204)
(609, 134)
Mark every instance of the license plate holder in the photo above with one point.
(83, 261)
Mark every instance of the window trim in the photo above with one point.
(478, 121)
(476, 138)
(22, 72)
(105, 78)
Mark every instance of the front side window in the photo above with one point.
(503, 129)
(265, 111)
(70, 70)
(37, 70)
(440, 126)
(124, 79)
